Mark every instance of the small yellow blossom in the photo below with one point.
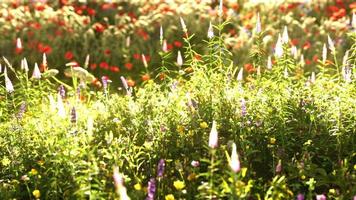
(34, 171)
(180, 129)
(203, 125)
(332, 191)
(272, 140)
(179, 185)
(354, 167)
(303, 177)
(138, 186)
(40, 162)
(169, 197)
(36, 194)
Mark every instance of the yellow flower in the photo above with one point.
(203, 125)
(138, 186)
(354, 167)
(34, 171)
(303, 177)
(332, 191)
(169, 197)
(179, 185)
(180, 129)
(40, 162)
(272, 140)
(36, 194)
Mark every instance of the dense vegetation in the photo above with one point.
(221, 115)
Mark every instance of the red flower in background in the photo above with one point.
(249, 68)
(40, 7)
(68, 55)
(177, 44)
(114, 69)
(145, 77)
(91, 11)
(128, 66)
(93, 66)
(44, 48)
(306, 45)
(104, 65)
(137, 56)
(98, 27)
(107, 52)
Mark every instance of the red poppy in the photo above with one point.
(93, 66)
(104, 65)
(306, 45)
(98, 27)
(137, 56)
(315, 58)
(40, 7)
(68, 55)
(177, 44)
(145, 77)
(114, 69)
(249, 67)
(307, 61)
(295, 41)
(107, 52)
(44, 48)
(91, 11)
(128, 66)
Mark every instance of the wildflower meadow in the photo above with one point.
(179, 99)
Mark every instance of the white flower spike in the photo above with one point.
(285, 37)
(269, 63)
(213, 137)
(210, 31)
(179, 59)
(258, 28)
(325, 53)
(278, 51)
(36, 72)
(234, 160)
(8, 84)
(240, 75)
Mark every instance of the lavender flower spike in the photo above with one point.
(160, 168)
(73, 115)
(243, 107)
(151, 189)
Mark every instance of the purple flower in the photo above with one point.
(104, 80)
(243, 107)
(160, 167)
(320, 197)
(300, 196)
(73, 115)
(151, 189)
(62, 91)
(22, 110)
(279, 167)
(195, 163)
